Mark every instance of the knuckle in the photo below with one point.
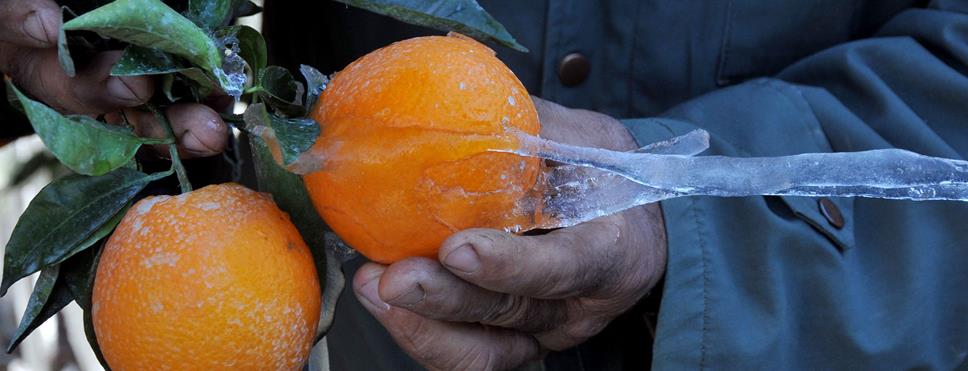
(526, 314)
(473, 360)
(17, 62)
(585, 328)
(416, 340)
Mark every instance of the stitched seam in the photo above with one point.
(705, 283)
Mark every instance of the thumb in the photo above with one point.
(30, 23)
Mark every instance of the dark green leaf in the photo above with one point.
(64, 216)
(152, 24)
(81, 143)
(79, 271)
(137, 61)
(245, 8)
(281, 91)
(292, 136)
(63, 52)
(75, 272)
(464, 16)
(315, 84)
(167, 83)
(204, 85)
(50, 295)
(252, 48)
(210, 14)
(290, 195)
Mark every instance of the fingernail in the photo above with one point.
(415, 295)
(35, 28)
(191, 143)
(463, 259)
(370, 293)
(119, 90)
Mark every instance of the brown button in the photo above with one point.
(831, 212)
(573, 69)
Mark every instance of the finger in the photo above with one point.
(423, 286)
(92, 91)
(582, 127)
(30, 23)
(199, 130)
(443, 345)
(568, 262)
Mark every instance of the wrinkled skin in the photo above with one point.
(28, 54)
(500, 300)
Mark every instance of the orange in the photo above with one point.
(217, 278)
(405, 134)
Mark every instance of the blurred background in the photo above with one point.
(59, 344)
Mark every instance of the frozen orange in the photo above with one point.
(408, 140)
(217, 278)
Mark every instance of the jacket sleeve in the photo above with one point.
(769, 280)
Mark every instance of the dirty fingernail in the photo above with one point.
(415, 295)
(370, 293)
(463, 259)
(35, 28)
(120, 91)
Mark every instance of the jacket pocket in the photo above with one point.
(809, 210)
(761, 37)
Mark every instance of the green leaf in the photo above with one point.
(81, 143)
(290, 195)
(204, 85)
(50, 295)
(464, 16)
(79, 272)
(291, 136)
(281, 91)
(211, 14)
(63, 52)
(245, 8)
(252, 48)
(315, 84)
(152, 24)
(64, 217)
(167, 84)
(138, 61)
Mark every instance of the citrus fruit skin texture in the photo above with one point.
(405, 136)
(217, 278)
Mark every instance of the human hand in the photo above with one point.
(28, 54)
(499, 300)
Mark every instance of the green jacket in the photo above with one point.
(756, 282)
